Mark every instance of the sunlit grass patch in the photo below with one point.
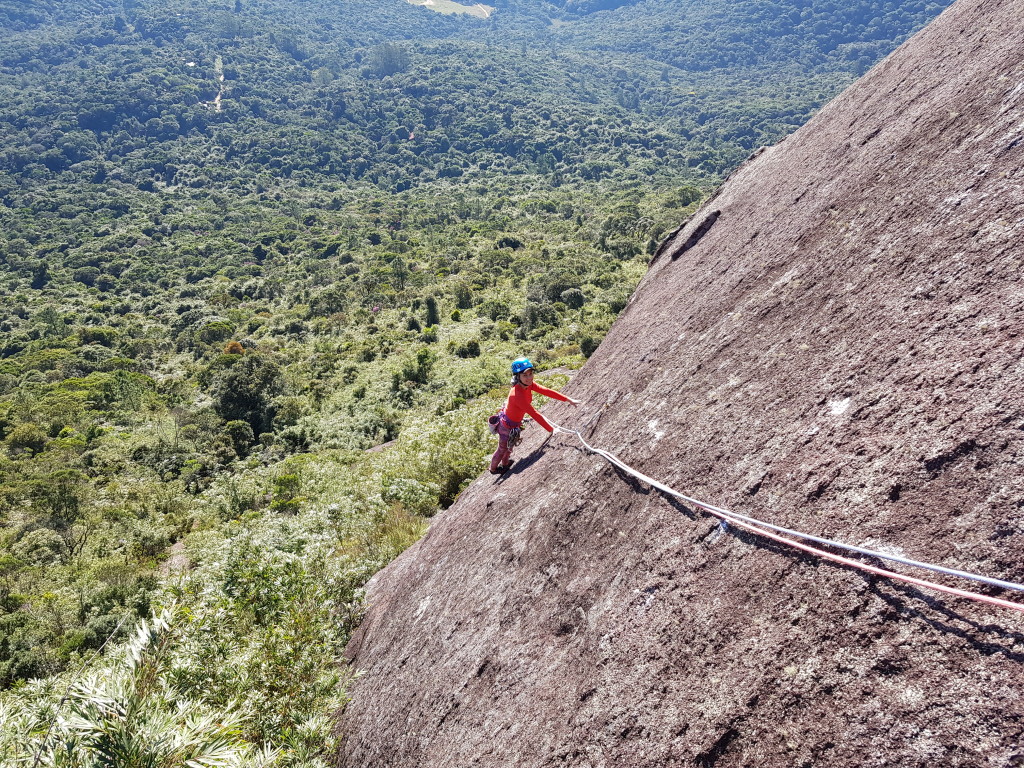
(479, 10)
(397, 530)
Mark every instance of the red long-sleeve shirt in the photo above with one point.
(520, 403)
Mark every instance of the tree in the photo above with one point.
(246, 391)
(40, 275)
(433, 315)
(389, 59)
(399, 272)
(241, 436)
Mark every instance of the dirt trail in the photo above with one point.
(218, 67)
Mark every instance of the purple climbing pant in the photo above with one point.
(504, 453)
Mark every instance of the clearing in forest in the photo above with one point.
(479, 10)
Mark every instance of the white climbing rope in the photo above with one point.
(768, 530)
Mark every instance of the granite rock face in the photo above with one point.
(840, 351)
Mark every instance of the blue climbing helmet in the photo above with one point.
(521, 364)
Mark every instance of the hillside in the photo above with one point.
(264, 263)
(243, 243)
(839, 353)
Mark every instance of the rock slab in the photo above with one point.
(841, 352)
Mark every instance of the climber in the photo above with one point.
(509, 420)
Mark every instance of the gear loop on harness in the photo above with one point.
(515, 428)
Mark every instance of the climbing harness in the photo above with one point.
(515, 429)
(515, 432)
(779, 534)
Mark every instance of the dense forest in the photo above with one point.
(264, 264)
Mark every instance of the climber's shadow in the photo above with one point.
(523, 464)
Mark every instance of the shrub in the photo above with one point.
(573, 298)
(496, 309)
(215, 331)
(469, 348)
(286, 494)
(288, 410)
(86, 275)
(26, 438)
(241, 436)
(103, 335)
(40, 546)
(509, 242)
